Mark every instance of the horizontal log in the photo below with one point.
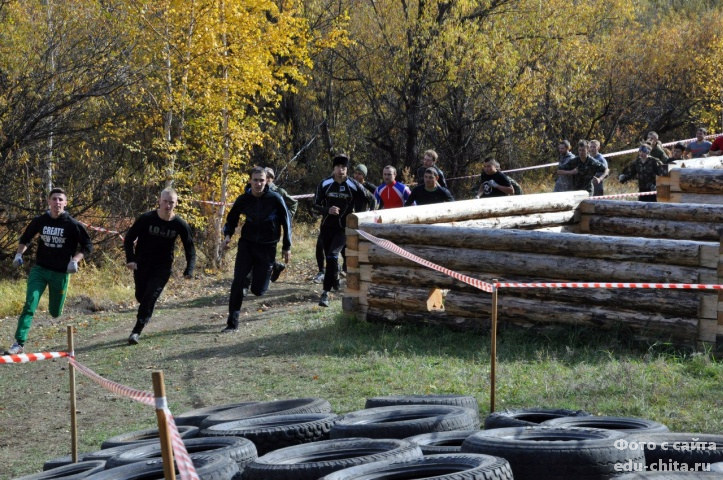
(651, 227)
(674, 252)
(397, 317)
(564, 268)
(472, 209)
(522, 311)
(697, 198)
(695, 180)
(705, 163)
(653, 210)
(520, 221)
(673, 302)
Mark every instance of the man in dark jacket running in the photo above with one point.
(266, 215)
(149, 246)
(60, 237)
(336, 197)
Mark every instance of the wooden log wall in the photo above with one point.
(692, 185)
(382, 286)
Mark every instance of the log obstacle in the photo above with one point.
(697, 180)
(619, 241)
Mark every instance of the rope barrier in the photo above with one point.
(31, 357)
(104, 230)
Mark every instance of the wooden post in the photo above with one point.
(159, 391)
(73, 409)
(493, 347)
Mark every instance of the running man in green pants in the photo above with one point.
(57, 257)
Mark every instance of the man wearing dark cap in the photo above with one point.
(336, 197)
(645, 168)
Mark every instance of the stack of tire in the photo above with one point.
(393, 437)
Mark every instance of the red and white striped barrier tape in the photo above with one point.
(387, 245)
(183, 461)
(104, 230)
(488, 287)
(31, 357)
(674, 286)
(623, 195)
(669, 144)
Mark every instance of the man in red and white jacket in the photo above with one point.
(391, 194)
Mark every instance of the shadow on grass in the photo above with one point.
(346, 337)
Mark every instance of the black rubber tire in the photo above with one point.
(402, 421)
(97, 455)
(623, 424)
(186, 431)
(687, 448)
(466, 401)
(196, 416)
(240, 450)
(313, 460)
(556, 453)
(527, 417)
(71, 471)
(275, 407)
(436, 443)
(453, 466)
(277, 431)
(208, 467)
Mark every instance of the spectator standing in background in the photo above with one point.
(391, 194)
(586, 171)
(645, 168)
(493, 183)
(429, 192)
(594, 148)
(657, 150)
(716, 147)
(700, 146)
(564, 183)
(429, 160)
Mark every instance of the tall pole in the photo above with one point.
(159, 391)
(73, 409)
(493, 347)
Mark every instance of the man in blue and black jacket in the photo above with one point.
(266, 215)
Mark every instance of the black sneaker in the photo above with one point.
(134, 339)
(276, 271)
(230, 329)
(324, 300)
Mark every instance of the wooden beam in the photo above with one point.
(686, 303)
(534, 220)
(697, 198)
(653, 210)
(675, 252)
(472, 209)
(651, 228)
(566, 268)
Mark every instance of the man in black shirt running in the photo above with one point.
(149, 246)
(62, 243)
(336, 197)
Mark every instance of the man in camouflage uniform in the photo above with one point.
(645, 168)
(584, 169)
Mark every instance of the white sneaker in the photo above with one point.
(318, 278)
(16, 349)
